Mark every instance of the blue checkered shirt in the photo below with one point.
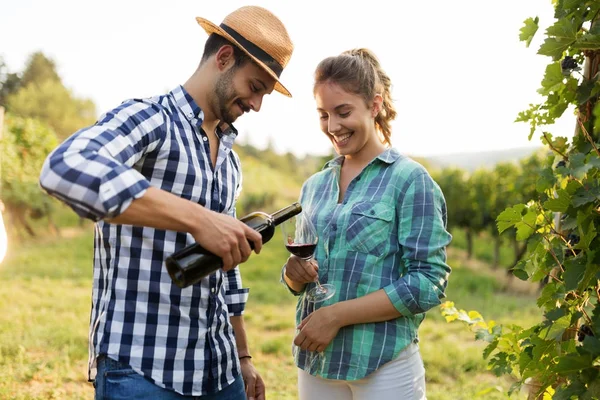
(389, 233)
(181, 339)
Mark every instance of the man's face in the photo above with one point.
(239, 90)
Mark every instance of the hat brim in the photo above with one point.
(209, 27)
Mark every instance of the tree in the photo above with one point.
(42, 95)
(39, 69)
(459, 195)
(9, 82)
(51, 102)
(558, 357)
(25, 144)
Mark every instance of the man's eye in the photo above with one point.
(344, 115)
(253, 89)
(323, 116)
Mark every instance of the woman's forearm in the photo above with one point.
(374, 307)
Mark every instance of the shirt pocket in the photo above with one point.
(369, 227)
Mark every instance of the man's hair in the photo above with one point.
(215, 42)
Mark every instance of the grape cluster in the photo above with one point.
(569, 64)
(584, 331)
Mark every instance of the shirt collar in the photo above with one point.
(388, 156)
(194, 114)
(187, 105)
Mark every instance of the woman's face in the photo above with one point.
(346, 119)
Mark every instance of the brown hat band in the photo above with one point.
(256, 51)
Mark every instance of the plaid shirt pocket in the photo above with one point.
(369, 227)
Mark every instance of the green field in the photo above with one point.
(45, 296)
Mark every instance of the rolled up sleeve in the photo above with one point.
(423, 237)
(93, 171)
(236, 296)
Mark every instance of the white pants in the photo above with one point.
(401, 379)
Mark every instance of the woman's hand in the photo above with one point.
(318, 329)
(301, 271)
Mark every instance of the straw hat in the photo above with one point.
(261, 35)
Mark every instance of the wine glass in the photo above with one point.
(300, 238)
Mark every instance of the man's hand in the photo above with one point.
(255, 387)
(227, 238)
(218, 233)
(301, 271)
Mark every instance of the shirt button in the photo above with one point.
(205, 138)
(212, 290)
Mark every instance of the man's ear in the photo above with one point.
(224, 57)
(377, 105)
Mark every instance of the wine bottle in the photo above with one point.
(192, 263)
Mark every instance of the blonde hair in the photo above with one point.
(358, 71)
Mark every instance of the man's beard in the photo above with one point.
(224, 95)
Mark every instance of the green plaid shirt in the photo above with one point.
(388, 233)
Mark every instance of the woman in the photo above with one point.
(381, 222)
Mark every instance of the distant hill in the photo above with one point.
(482, 159)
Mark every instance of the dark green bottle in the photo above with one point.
(190, 264)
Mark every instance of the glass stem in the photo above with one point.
(317, 281)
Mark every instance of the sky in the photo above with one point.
(459, 73)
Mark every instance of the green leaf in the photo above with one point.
(559, 204)
(565, 29)
(591, 271)
(546, 180)
(584, 195)
(509, 217)
(489, 349)
(550, 294)
(579, 167)
(528, 30)
(566, 392)
(587, 230)
(596, 113)
(588, 42)
(553, 79)
(521, 274)
(574, 271)
(591, 345)
(572, 363)
(527, 227)
(559, 143)
(588, 89)
(553, 48)
(555, 314)
(542, 349)
(570, 4)
(556, 330)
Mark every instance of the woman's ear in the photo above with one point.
(377, 105)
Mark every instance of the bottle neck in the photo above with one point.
(286, 213)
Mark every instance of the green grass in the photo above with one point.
(46, 292)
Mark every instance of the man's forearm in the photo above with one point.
(240, 335)
(162, 210)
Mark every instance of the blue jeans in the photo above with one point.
(116, 381)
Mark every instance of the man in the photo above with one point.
(158, 174)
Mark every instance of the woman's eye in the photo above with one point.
(344, 115)
(323, 117)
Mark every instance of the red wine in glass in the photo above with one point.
(300, 239)
(301, 250)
